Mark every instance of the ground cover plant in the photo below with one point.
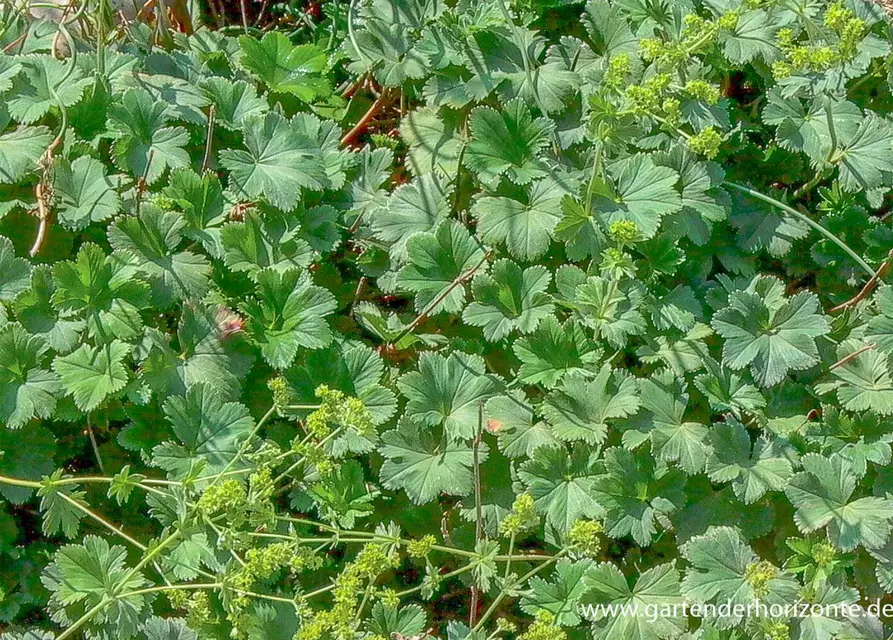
(388, 319)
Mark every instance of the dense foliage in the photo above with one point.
(445, 317)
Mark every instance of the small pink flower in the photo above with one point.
(228, 323)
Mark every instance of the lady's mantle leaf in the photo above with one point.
(643, 192)
(655, 588)
(436, 262)
(508, 299)
(752, 469)
(20, 149)
(560, 597)
(864, 382)
(152, 238)
(82, 576)
(772, 334)
(561, 484)
(507, 142)
(86, 194)
(284, 67)
(208, 427)
(26, 389)
(288, 312)
(579, 409)
(144, 146)
(637, 494)
(448, 391)
(822, 494)
(425, 466)
(554, 350)
(92, 375)
(720, 560)
(278, 164)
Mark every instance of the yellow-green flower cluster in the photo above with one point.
(506, 626)
(281, 395)
(261, 562)
(702, 90)
(338, 411)
(543, 628)
(421, 547)
(618, 69)
(624, 232)
(222, 498)
(389, 598)
(823, 553)
(777, 630)
(522, 518)
(758, 575)
(338, 621)
(199, 609)
(646, 99)
(849, 28)
(706, 143)
(584, 537)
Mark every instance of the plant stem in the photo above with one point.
(804, 218)
(519, 581)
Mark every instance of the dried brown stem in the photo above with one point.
(855, 354)
(869, 286)
(360, 126)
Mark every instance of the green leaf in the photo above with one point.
(285, 68)
(863, 382)
(209, 428)
(416, 207)
(438, 264)
(103, 291)
(233, 101)
(20, 149)
(636, 494)
(156, 628)
(85, 193)
(673, 438)
(507, 143)
(753, 35)
(425, 466)
(144, 146)
(513, 421)
(772, 334)
(433, 141)
(90, 376)
(525, 222)
(406, 621)
(720, 560)
(864, 160)
(654, 589)
(27, 390)
(152, 238)
(560, 597)
(448, 391)
(44, 83)
(279, 163)
(288, 313)
(62, 506)
(561, 484)
(643, 192)
(508, 299)
(264, 241)
(752, 469)
(579, 409)
(822, 494)
(555, 350)
(81, 576)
